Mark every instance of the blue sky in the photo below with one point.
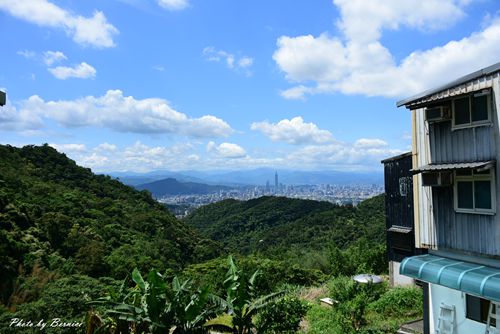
(139, 85)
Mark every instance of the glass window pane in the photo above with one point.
(464, 193)
(482, 194)
(461, 111)
(480, 108)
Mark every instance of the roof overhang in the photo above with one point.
(460, 81)
(2, 98)
(479, 280)
(480, 165)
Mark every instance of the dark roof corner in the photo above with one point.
(2, 98)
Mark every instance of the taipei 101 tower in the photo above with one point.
(276, 184)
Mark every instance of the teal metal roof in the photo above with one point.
(473, 278)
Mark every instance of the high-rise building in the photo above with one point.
(276, 184)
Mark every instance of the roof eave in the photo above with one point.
(469, 77)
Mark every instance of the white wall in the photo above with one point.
(440, 294)
(396, 278)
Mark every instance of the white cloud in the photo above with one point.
(159, 68)
(226, 150)
(293, 131)
(117, 112)
(370, 143)
(232, 62)
(51, 57)
(87, 31)
(341, 156)
(70, 148)
(12, 119)
(141, 157)
(173, 4)
(27, 54)
(81, 71)
(106, 147)
(245, 62)
(356, 62)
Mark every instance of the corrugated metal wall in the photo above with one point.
(467, 232)
(439, 226)
(463, 145)
(425, 231)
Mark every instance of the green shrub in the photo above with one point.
(399, 301)
(282, 316)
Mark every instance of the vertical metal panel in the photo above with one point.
(423, 200)
(463, 231)
(399, 206)
(471, 144)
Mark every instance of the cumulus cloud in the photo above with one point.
(226, 150)
(341, 156)
(13, 119)
(232, 62)
(51, 57)
(173, 4)
(294, 131)
(370, 143)
(356, 62)
(70, 148)
(93, 31)
(137, 157)
(81, 71)
(141, 157)
(117, 112)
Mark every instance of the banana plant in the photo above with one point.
(242, 301)
(155, 306)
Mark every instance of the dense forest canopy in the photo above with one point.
(277, 226)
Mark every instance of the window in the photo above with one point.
(474, 191)
(477, 309)
(472, 110)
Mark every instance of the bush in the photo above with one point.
(282, 316)
(353, 300)
(399, 302)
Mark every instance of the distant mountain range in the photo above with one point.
(171, 186)
(254, 177)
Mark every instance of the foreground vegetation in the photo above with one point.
(87, 249)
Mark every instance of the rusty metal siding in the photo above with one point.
(464, 145)
(466, 232)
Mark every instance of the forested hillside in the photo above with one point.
(62, 228)
(276, 226)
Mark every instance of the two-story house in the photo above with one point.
(456, 183)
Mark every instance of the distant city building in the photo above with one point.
(268, 187)
(276, 184)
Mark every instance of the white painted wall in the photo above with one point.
(396, 278)
(439, 294)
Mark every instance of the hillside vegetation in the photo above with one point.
(63, 227)
(280, 227)
(76, 246)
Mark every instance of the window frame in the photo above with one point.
(475, 177)
(472, 299)
(472, 123)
